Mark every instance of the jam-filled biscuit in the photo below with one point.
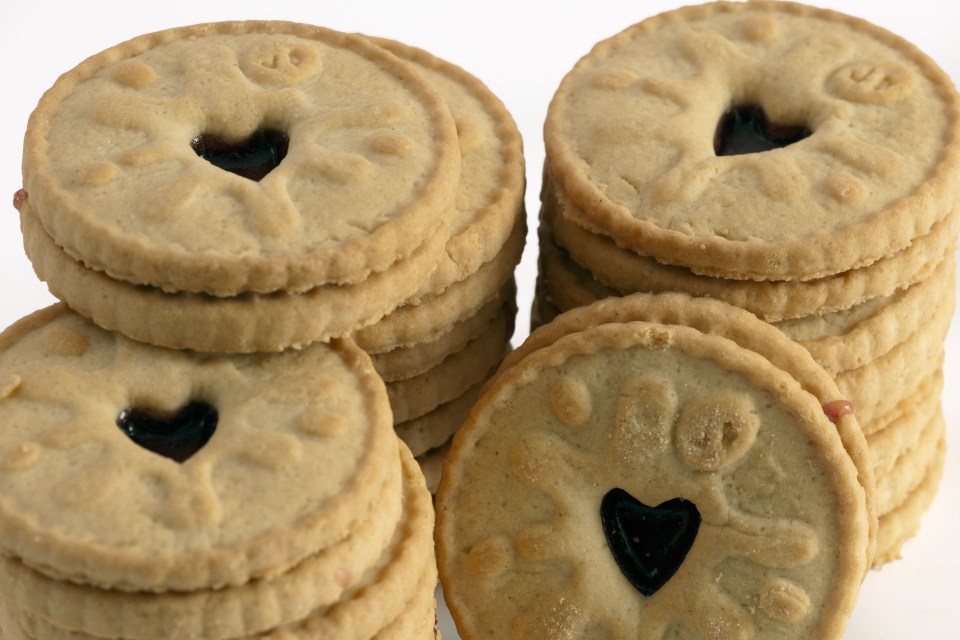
(626, 271)
(902, 523)
(390, 601)
(879, 385)
(851, 338)
(489, 200)
(653, 136)
(138, 161)
(409, 361)
(717, 318)
(635, 476)
(243, 323)
(434, 315)
(213, 614)
(133, 467)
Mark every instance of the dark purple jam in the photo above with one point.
(648, 543)
(177, 436)
(252, 158)
(746, 129)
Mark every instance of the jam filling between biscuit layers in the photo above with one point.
(174, 435)
(648, 543)
(252, 158)
(746, 129)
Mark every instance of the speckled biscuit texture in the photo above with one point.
(391, 600)
(732, 323)
(371, 162)
(630, 137)
(408, 362)
(879, 385)
(851, 338)
(299, 515)
(76, 485)
(434, 315)
(900, 429)
(253, 607)
(417, 396)
(434, 429)
(901, 523)
(789, 160)
(656, 412)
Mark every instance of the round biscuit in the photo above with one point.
(520, 545)
(372, 164)
(301, 447)
(630, 137)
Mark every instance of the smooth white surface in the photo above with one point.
(521, 50)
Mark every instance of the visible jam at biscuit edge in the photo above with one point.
(648, 543)
(18, 197)
(252, 158)
(746, 129)
(837, 409)
(176, 435)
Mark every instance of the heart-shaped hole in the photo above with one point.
(176, 435)
(648, 543)
(746, 129)
(252, 158)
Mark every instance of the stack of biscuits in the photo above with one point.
(272, 242)
(643, 451)
(393, 211)
(284, 508)
(436, 350)
(795, 162)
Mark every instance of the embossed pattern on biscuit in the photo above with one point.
(519, 508)
(296, 436)
(552, 467)
(712, 53)
(268, 213)
(221, 614)
(166, 217)
(630, 136)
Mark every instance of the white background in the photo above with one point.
(521, 50)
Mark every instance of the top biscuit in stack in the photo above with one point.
(632, 138)
(139, 215)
